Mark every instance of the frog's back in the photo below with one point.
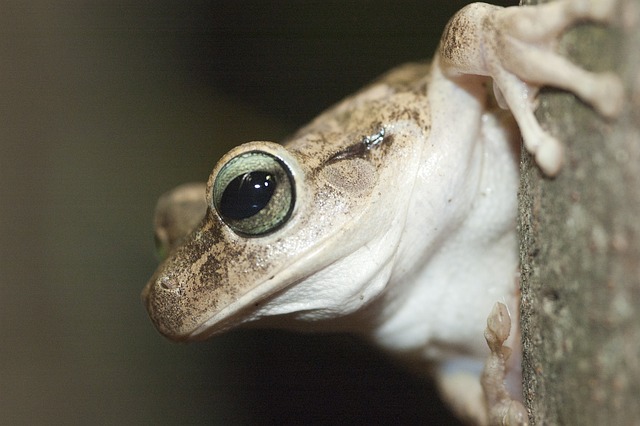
(411, 79)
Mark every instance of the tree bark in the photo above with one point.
(580, 246)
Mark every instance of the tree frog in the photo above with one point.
(392, 214)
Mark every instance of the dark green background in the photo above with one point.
(106, 104)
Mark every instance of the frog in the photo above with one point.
(391, 215)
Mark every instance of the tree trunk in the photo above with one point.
(580, 246)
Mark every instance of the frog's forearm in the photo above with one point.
(514, 46)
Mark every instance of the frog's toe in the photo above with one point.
(549, 155)
(609, 96)
(516, 415)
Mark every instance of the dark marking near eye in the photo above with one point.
(361, 148)
(358, 150)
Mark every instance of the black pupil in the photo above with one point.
(247, 194)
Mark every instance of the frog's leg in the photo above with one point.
(486, 401)
(502, 409)
(515, 47)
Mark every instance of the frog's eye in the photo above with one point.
(254, 193)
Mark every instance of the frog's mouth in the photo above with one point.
(253, 308)
(184, 305)
(308, 293)
(242, 311)
(175, 312)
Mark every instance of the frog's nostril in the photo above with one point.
(168, 283)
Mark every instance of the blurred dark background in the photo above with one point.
(106, 104)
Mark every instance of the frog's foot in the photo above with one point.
(515, 47)
(524, 40)
(501, 408)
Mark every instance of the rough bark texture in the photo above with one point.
(580, 248)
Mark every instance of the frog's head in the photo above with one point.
(305, 231)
